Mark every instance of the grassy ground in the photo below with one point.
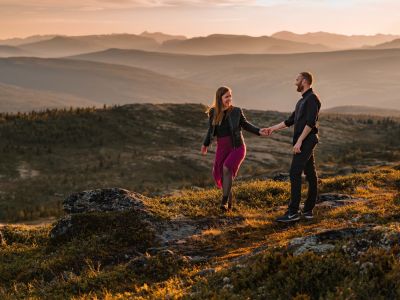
(154, 149)
(244, 254)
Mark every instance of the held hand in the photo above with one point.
(266, 131)
(297, 147)
(203, 150)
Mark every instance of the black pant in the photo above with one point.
(304, 161)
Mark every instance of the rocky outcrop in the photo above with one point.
(353, 241)
(79, 206)
(321, 242)
(101, 200)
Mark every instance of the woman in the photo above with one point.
(226, 122)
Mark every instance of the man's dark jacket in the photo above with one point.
(306, 113)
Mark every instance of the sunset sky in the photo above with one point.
(197, 17)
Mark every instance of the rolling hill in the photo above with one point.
(335, 41)
(363, 110)
(395, 44)
(8, 51)
(72, 45)
(155, 149)
(160, 37)
(17, 99)
(26, 40)
(217, 44)
(98, 82)
(267, 81)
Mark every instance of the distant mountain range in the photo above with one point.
(230, 44)
(336, 41)
(156, 67)
(215, 44)
(266, 81)
(96, 82)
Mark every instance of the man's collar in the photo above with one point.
(306, 93)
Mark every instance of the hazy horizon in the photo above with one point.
(198, 17)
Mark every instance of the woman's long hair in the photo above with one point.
(218, 105)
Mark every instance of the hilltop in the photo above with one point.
(154, 149)
(350, 249)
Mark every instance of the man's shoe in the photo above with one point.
(308, 215)
(288, 218)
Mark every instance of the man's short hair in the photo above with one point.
(308, 77)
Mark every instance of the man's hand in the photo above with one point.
(266, 131)
(203, 150)
(297, 147)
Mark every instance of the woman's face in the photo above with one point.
(227, 99)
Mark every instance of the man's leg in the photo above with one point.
(312, 178)
(299, 163)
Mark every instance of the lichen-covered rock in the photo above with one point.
(111, 199)
(321, 242)
(333, 200)
(83, 206)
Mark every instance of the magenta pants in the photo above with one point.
(227, 156)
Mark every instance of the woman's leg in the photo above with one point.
(226, 187)
(230, 170)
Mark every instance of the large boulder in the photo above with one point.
(100, 206)
(112, 199)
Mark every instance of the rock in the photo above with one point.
(138, 263)
(302, 245)
(226, 280)
(228, 287)
(112, 199)
(197, 259)
(62, 227)
(80, 205)
(321, 242)
(333, 197)
(333, 200)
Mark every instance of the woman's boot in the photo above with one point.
(224, 203)
(230, 201)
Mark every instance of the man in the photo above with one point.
(305, 138)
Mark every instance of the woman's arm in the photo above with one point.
(207, 139)
(246, 125)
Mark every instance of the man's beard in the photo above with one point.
(300, 88)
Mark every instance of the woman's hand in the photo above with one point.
(203, 150)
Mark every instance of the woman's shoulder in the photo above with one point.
(236, 109)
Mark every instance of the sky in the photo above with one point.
(197, 17)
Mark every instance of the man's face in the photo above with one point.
(300, 83)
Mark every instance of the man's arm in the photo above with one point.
(311, 120)
(306, 131)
